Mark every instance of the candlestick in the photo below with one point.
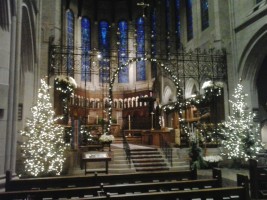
(117, 118)
(152, 121)
(129, 119)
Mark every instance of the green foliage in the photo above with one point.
(195, 154)
(86, 136)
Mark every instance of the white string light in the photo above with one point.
(44, 146)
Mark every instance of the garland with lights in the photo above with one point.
(241, 133)
(178, 103)
(212, 89)
(86, 136)
(65, 85)
(44, 146)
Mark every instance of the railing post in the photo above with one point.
(8, 179)
(253, 178)
(242, 180)
(217, 174)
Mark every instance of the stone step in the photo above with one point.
(119, 166)
(148, 160)
(119, 162)
(144, 149)
(118, 156)
(145, 153)
(145, 156)
(160, 168)
(150, 164)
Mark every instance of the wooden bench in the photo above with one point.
(240, 192)
(258, 180)
(96, 180)
(118, 189)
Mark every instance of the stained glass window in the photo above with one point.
(154, 41)
(70, 42)
(123, 51)
(140, 49)
(178, 23)
(189, 19)
(204, 14)
(104, 47)
(86, 47)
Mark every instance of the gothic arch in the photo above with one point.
(28, 76)
(115, 74)
(253, 55)
(189, 86)
(252, 61)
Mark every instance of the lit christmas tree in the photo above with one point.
(242, 136)
(44, 146)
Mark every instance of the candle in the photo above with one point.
(88, 119)
(129, 121)
(97, 119)
(117, 118)
(152, 121)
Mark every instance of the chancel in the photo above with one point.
(97, 92)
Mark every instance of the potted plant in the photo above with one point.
(195, 154)
(106, 140)
(213, 160)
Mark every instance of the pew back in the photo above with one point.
(86, 181)
(237, 193)
(95, 191)
(202, 188)
(258, 179)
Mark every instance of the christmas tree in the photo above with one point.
(241, 133)
(44, 146)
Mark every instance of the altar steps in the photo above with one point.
(119, 164)
(148, 159)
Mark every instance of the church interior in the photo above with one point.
(130, 87)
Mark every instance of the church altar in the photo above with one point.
(150, 137)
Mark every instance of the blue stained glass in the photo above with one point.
(104, 47)
(154, 41)
(140, 40)
(70, 42)
(189, 19)
(86, 47)
(178, 23)
(204, 14)
(123, 52)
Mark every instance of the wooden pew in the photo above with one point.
(240, 192)
(119, 189)
(95, 191)
(258, 180)
(96, 180)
